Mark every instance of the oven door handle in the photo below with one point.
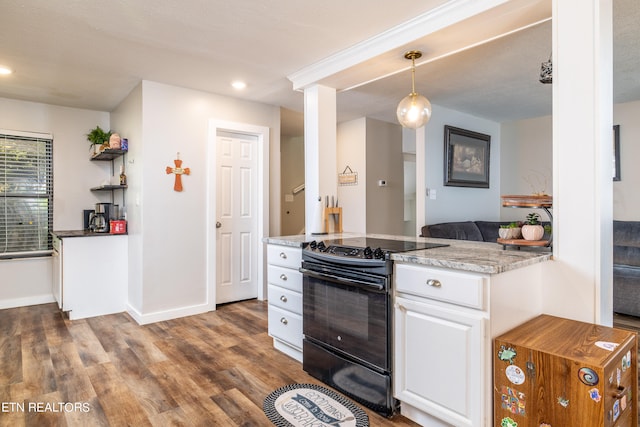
(340, 279)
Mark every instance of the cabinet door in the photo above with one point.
(439, 357)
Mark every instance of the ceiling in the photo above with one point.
(90, 54)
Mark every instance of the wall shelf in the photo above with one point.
(110, 155)
(108, 187)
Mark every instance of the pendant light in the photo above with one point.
(546, 72)
(414, 110)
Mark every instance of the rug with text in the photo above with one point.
(297, 405)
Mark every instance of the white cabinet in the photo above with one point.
(90, 275)
(285, 298)
(444, 321)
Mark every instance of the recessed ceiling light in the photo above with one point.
(5, 70)
(239, 85)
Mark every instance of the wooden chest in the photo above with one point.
(554, 372)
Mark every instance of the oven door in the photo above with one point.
(348, 312)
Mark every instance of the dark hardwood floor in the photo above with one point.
(212, 369)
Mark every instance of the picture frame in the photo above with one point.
(466, 158)
(616, 152)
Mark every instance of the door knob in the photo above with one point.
(218, 224)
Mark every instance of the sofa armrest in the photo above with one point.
(626, 290)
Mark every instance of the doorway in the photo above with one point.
(237, 211)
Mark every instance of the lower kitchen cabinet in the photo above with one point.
(444, 321)
(90, 275)
(285, 298)
(437, 363)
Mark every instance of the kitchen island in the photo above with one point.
(479, 257)
(449, 303)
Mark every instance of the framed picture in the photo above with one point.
(466, 158)
(616, 153)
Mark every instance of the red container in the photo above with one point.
(118, 226)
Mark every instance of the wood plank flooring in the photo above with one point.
(213, 369)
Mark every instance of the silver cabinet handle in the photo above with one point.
(283, 277)
(283, 255)
(284, 321)
(283, 298)
(435, 283)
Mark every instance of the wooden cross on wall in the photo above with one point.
(178, 171)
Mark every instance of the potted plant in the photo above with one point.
(510, 231)
(99, 140)
(532, 229)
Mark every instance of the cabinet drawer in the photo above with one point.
(449, 286)
(284, 256)
(284, 277)
(285, 326)
(285, 298)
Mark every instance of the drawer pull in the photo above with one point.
(434, 283)
(620, 391)
(283, 277)
(284, 321)
(283, 298)
(283, 255)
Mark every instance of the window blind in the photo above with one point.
(26, 194)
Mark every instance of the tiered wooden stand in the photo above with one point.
(530, 202)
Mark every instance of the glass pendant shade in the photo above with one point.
(414, 111)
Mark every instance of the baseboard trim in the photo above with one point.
(160, 316)
(26, 301)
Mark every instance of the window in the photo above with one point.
(26, 194)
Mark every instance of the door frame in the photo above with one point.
(262, 134)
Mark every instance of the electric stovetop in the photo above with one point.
(386, 245)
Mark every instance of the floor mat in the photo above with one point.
(309, 404)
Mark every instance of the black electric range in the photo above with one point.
(347, 316)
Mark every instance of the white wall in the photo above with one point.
(373, 149)
(525, 162)
(459, 203)
(626, 203)
(526, 152)
(172, 255)
(292, 175)
(351, 151)
(28, 282)
(385, 205)
(127, 119)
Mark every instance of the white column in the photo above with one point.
(320, 174)
(578, 282)
(421, 179)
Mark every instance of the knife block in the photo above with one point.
(337, 217)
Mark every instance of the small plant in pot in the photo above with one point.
(532, 229)
(98, 138)
(510, 231)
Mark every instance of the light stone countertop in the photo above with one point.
(479, 257)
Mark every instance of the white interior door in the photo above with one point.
(236, 217)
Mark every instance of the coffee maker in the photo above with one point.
(99, 220)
